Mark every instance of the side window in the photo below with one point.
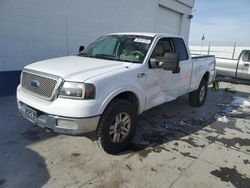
(163, 45)
(180, 48)
(246, 56)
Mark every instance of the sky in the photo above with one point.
(221, 20)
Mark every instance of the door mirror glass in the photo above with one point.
(81, 48)
(170, 62)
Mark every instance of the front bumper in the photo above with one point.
(59, 124)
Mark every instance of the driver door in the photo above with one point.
(163, 86)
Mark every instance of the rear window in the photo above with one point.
(180, 48)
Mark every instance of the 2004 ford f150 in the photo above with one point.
(109, 83)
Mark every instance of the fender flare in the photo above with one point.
(112, 95)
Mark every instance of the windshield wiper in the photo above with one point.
(104, 56)
(84, 54)
(129, 61)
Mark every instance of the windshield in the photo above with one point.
(129, 48)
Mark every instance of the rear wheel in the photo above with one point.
(117, 126)
(198, 97)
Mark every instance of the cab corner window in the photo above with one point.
(180, 48)
(246, 56)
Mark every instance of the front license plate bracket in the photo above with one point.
(30, 114)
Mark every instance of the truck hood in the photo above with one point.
(74, 68)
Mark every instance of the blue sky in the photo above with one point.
(221, 20)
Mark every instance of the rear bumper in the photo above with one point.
(59, 124)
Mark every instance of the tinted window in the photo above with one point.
(180, 48)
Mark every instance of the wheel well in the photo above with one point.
(206, 76)
(130, 96)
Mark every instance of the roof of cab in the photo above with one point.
(146, 34)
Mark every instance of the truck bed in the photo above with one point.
(201, 64)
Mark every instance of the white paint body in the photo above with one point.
(112, 78)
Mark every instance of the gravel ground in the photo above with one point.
(175, 146)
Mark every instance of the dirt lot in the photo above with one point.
(175, 146)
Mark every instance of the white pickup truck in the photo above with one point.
(109, 83)
(239, 68)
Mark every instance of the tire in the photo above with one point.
(119, 118)
(197, 98)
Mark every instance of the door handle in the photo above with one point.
(246, 64)
(140, 75)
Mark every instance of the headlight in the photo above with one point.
(77, 90)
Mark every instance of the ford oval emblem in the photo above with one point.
(35, 83)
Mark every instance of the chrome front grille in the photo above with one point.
(41, 85)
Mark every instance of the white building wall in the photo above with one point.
(32, 30)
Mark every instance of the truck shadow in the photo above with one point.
(177, 121)
(20, 165)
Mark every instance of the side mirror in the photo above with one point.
(170, 62)
(81, 48)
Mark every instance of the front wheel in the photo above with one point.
(116, 126)
(198, 97)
